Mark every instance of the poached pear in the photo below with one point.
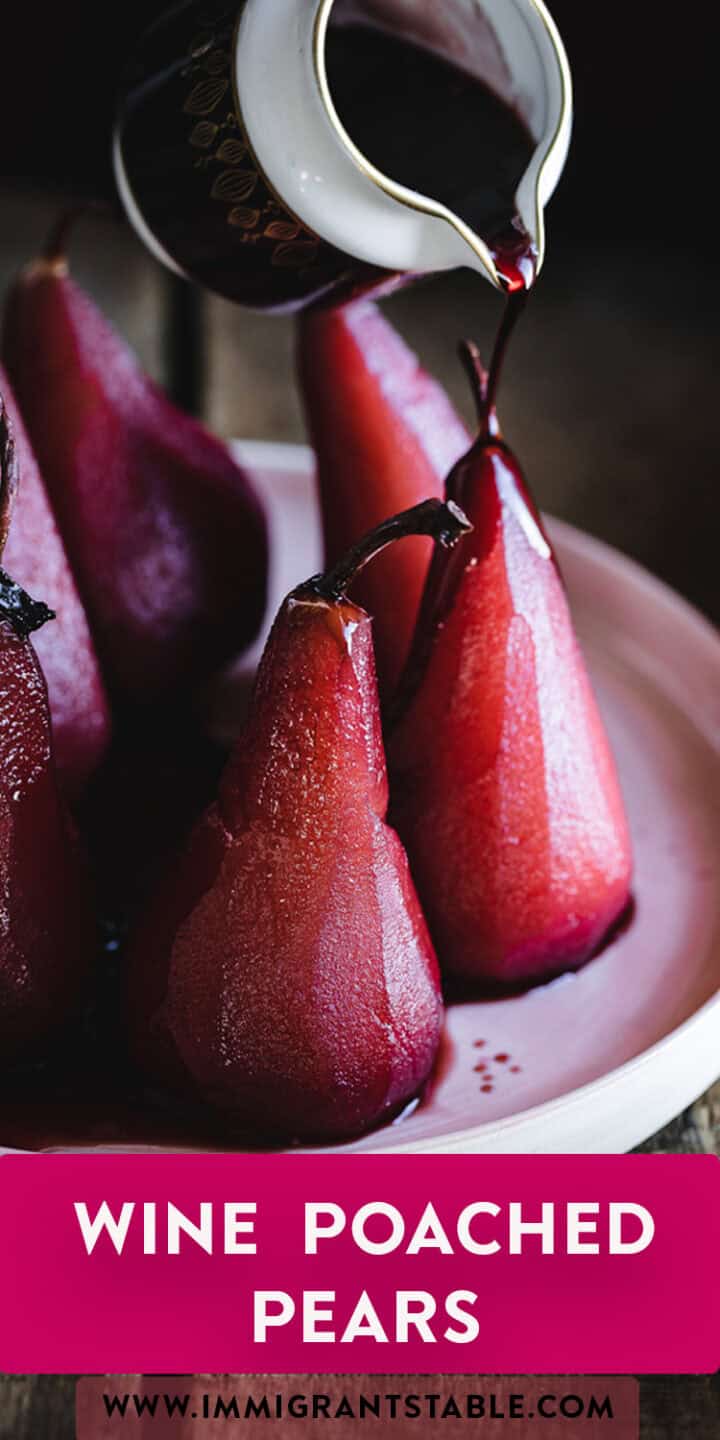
(385, 435)
(505, 791)
(285, 972)
(36, 557)
(166, 537)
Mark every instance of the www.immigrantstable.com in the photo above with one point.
(385, 1406)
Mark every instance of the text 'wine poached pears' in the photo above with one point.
(385, 435)
(36, 558)
(47, 931)
(285, 972)
(165, 535)
(504, 787)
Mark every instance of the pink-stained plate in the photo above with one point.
(598, 1061)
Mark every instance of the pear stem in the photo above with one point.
(477, 375)
(443, 521)
(24, 614)
(56, 246)
(514, 306)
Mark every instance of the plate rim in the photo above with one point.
(674, 1040)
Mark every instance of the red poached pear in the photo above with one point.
(504, 788)
(385, 435)
(35, 556)
(285, 972)
(166, 537)
(47, 931)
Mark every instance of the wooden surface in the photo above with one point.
(43, 1409)
(610, 399)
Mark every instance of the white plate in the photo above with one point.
(596, 1062)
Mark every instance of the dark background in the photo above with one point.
(644, 79)
(613, 392)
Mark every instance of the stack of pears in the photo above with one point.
(503, 785)
(286, 971)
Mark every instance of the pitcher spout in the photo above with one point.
(488, 80)
(411, 137)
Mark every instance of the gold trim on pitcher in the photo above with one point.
(423, 204)
(566, 107)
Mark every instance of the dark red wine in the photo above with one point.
(514, 306)
(430, 126)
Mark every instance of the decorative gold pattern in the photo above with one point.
(203, 134)
(295, 256)
(282, 230)
(234, 185)
(232, 152)
(243, 218)
(210, 67)
(203, 99)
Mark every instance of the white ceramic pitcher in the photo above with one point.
(235, 167)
